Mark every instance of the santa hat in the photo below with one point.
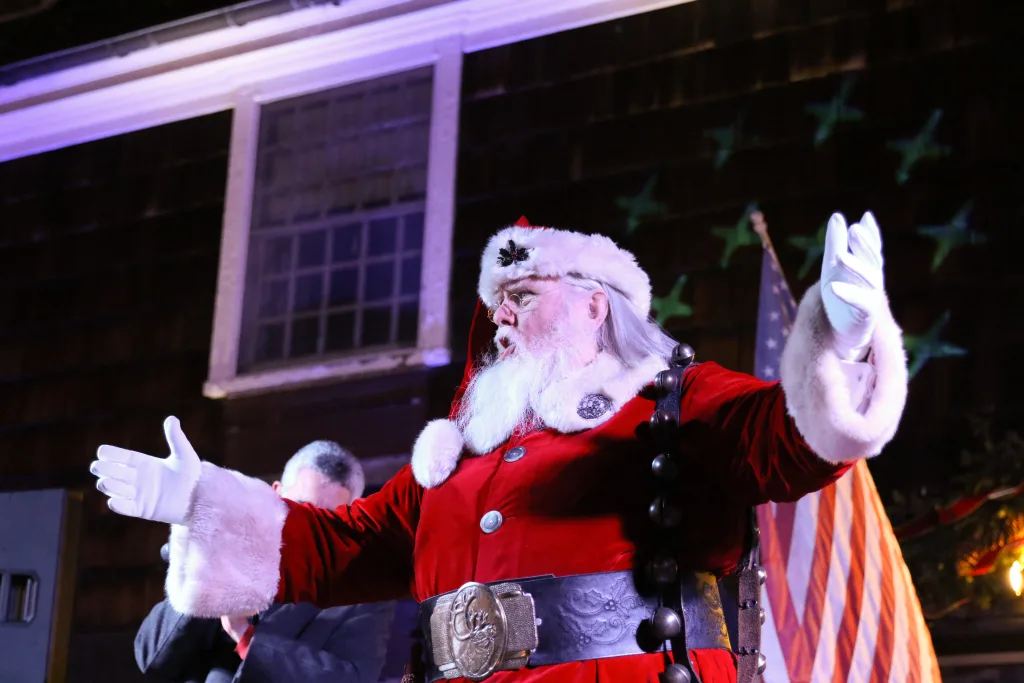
(522, 250)
(519, 251)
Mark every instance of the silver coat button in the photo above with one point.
(514, 454)
(491, 522)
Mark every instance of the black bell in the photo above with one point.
(682, 355)
(663, 570)
(666, 381)
(762, 663)
(674, 673)
(664, 513)
(664, 467)
(661, 418)
(667, 623)
(762, 575)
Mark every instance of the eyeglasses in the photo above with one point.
(517, 302)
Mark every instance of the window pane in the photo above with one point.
(411, 183)
(376, 326)
(308, 292)
(383, 236)
(312, 248)
(341, 331)
(346, 113)
(277, 255)
(408, 321)
(306, 204)
(273, 299)
(277, 169)
(274, 210)
(346, 242)
(304, 335)
(343, 196)
(380, 279)
(313, 121)
(413, 236)
(269, 342)
(411, 275)
(344, 287)
(278, 126)
(376, 189)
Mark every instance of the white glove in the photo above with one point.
(142, 486)
(852, 285)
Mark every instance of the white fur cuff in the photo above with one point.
(228, 560)
(436, 452)
(836, 424)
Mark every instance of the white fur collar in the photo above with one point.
(440, 444)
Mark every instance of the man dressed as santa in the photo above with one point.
(567, 522)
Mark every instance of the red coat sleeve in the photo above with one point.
(356, 553)
(742, 431)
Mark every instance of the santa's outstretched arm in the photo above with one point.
(843, 369)
(236, 546)
(842, 390)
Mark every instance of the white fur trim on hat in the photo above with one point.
(436, 452)
(555, 253)
(827, 401)
(228, 559)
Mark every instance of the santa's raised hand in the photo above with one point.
(852, 284)
(142, 486)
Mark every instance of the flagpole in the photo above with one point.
(761, 228)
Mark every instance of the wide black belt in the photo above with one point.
(483, 628)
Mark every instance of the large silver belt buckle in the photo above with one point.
(480, 629)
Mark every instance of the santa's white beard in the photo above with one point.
(500, 399)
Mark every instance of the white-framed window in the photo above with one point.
(337, 235)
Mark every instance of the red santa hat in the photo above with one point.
(515, 252)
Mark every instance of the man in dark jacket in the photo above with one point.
(285, 643)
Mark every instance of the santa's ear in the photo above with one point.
(598, 307)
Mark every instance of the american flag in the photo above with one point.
(839, 599)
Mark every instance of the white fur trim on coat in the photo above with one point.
(228, 559)
(436, 452)
(821, 394)
(555, 253)
(440, 445)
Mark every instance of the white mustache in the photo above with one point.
(508, 333)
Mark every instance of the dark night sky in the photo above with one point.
(70, 23)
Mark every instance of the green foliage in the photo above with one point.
(993, 462)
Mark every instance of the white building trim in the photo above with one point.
(203, 74)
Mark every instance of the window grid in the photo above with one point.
(360, 264)
(307, 183)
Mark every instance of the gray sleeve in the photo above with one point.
(337, 645)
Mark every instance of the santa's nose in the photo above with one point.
(504, 317)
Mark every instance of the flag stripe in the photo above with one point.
(847, 636)
(817, 587)
(912, 624)
(833, 584)
(886, 619)
(839, 600)
(868, 626)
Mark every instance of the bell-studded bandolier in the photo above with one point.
(483, 628)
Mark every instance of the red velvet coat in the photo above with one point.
(575, 503)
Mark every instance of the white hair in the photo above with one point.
(332, 461)
(625, 334)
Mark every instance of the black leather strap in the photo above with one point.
(594, 616)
